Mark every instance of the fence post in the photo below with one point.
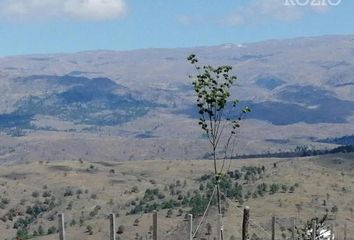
(314, 226)
(293, 229)
(332, 231)
(345, 230)
(154, 225)
(112, 226)
(273, 228)
(245, 223)
(190, 219)
(220, 228)
(61, 226)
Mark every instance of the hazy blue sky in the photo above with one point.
(45, 26)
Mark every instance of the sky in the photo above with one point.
(56, 26)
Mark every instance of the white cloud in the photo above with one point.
(93, 10)
(260, 11)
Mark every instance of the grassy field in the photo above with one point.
(87, 192)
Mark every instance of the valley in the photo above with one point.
(143, 100)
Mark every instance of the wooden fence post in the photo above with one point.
(332, 231)
(190, 219)
(154, 225)
(293, 229)
(220, 227)
(245, 223)
(314, 226)
(273, 228)
(61, 225)
(345, 230)
(112, 226)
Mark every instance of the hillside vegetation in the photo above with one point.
(32, 195)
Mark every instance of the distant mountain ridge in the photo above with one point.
(87, 101)
(302, 88)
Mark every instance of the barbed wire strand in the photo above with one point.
(250, 219)
(234, 230)
(169, 228)
(204, 214)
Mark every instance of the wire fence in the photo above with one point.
(203, 228)
(240, 225)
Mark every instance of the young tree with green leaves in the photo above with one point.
(219, 117)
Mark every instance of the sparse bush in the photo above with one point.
(135, 189)
(136, 222)
(22, 234)
(46, 194)
(68, 192)
(35, 194)
(5, 201)
(89, 229)
(169, 213)
(52, 230)
(334, 209)
(23, 201)
(121, 229)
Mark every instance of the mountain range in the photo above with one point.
(127, 105)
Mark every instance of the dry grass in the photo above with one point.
(316, 177)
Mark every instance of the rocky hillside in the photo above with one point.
(141, 102)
